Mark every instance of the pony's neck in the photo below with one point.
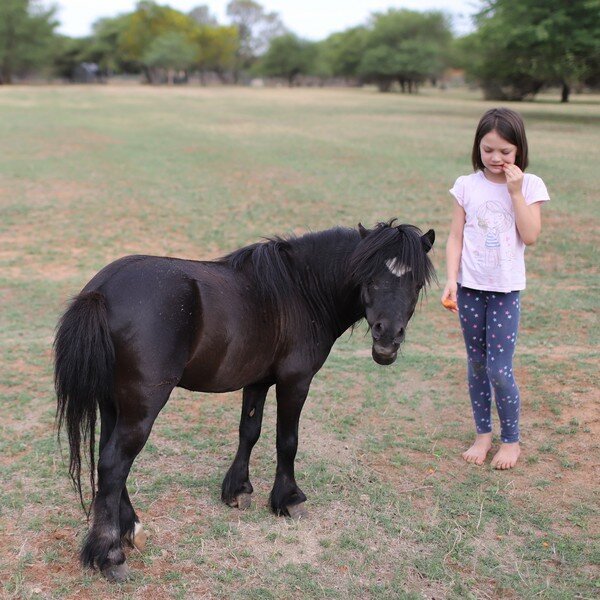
(334, 303)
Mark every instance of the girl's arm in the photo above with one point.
(528, 217)
(453, 253)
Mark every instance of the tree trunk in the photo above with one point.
(384, 85)
(147, 74)
(9, 43)
(5, 73)
(566, 90)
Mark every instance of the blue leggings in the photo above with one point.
(490, 321)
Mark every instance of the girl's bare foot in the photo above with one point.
(478, 451)
(507, 456)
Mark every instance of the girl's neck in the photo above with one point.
(494, 177)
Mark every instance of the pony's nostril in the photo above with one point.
(377, 330)
(400, 335)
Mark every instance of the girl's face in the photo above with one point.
(496, 152)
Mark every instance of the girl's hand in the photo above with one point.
(514, 178)
(449, 297)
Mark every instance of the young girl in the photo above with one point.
(497, 212)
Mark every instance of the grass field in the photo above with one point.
(88, 174)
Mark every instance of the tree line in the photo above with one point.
(518, 48)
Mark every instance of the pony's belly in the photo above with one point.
(215, 374)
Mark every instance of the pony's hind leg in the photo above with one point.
(132, 531)
(103, 545)
(130, 526)
(236, 488)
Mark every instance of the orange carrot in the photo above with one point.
(449, 303)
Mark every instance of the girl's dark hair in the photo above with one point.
(509, 126)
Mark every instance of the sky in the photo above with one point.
(309, 19)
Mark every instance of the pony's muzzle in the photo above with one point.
(386, 344)
(384, 355)
(381, 333)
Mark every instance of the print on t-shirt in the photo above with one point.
(493, 219)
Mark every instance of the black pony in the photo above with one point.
(265, 315)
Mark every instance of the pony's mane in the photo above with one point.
(305, 269)
(270, 258)
(388, 241)
(318, 268)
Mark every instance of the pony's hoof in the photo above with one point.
(241, 501)
(117, 573)
(297, 511)
(137, 538)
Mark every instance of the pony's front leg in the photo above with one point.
(286, 497)
(236, 488)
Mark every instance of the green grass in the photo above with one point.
(88, 174)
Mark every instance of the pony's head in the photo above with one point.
(391, 266)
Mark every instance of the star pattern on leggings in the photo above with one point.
(485, 318)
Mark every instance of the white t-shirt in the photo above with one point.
(493, 253)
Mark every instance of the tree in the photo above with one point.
(341, 53)
(216, 49)
(105, 48)
(405, 46)
(68, 54)
(170, 52)
(157, 39)
(147, 23)
(379, 64)
(203, 16)
(26, 37)
(256, 28)
(499, 69)
(522, 45)
(288, 56)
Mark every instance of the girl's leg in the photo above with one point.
(472, 308)
(502, 328)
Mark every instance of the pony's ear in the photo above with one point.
(363, 232)
(428, 240)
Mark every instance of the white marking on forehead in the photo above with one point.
(396, 267)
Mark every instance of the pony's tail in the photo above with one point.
(83, 379)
